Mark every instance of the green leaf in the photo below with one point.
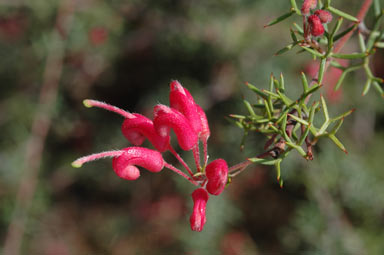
(256, 90)
(281, 18)
(350, 56)
(282, 87)
(378, 88)
(346, 31)
(321, 70)
(264, 161)
(313, 52)
(337, 126)
(367, 86)
(379, 44)
(249, 108)
(342, 116)
(304, 82)
(285, 99)
(361, 42)
(286, 48)
(337, 142)
(294, 7)
(325, 108)
(300, 120)
(342, 14)
(293, 36)
(299, 29)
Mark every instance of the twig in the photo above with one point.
(40, 128)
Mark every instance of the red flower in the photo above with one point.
(217, 174)
(200, 197)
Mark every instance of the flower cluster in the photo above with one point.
(190, 125)
(313, 23)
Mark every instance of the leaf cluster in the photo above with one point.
(288, 124)
(324, 47)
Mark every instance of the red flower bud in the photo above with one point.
(166, 118)
(217, 174)
(307, 6)
(315, 26)
(200, 198)
(124, 165)
(181, 100)
(139, 127)
(325, 17)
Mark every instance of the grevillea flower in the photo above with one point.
(139, 127)
(325, 17)
(189, 122)
(200, 197)
(315, 26)
(307, 6)
(217, 174)
(166, 118)
(124, 161)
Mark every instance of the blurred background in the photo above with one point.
(54, 54)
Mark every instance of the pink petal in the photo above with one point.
(124, 165)
(166, 118)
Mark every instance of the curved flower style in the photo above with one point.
(200, 198)
(217, 174)
(166, 118)
(124, 161)
(139, 127)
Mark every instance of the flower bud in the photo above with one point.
(200, 198)
(307, 6)
(139, 127)
(325, 17)
(124, 165)
(181, 100)
(217, 175)
(315, 26)
(166, 118)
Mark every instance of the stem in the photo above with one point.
(205, 148)
(196, 156)
(172, 150)
(40, 128)
(241, 165)
(179, 172)
(94, 103)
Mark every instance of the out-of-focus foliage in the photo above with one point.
(126, 53)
